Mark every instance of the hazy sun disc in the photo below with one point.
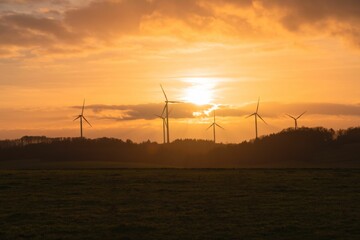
(200, 92)
(198, 95)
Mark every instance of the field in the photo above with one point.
(180, 204)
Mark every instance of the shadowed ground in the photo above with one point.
(180, 204)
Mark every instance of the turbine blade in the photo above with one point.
(159, 116)
(257, 108)
(251, 115)
(210, 126)
(262, 119)
(290, 116)
(77, 117)
(219, 126)
(175, 102)
(163, 92)
(301, 115)
(82, 111)
(86, 121)
(163, 111)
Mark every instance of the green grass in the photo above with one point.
(180, 204)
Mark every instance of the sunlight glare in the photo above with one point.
(200, 91)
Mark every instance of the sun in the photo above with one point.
(200, 91)
(198, 95)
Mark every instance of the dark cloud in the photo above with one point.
(125, 17)
(298, 12)
(144, 111)
(181, 9)
(277, 110)
(336, 17)
(187, 110)
(41, 25)
(109, 17)
(10, 35)
(102, 20)
(26, 30)
(326, 108)
(56, 2)
(240, 3)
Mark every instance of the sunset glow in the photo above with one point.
(296, 55)
(200, 92)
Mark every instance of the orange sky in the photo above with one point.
(296, 55)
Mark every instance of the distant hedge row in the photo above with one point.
(304, 147)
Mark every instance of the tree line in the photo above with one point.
(304, 147)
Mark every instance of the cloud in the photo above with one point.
(297, 13)
(27, 25)
(31, 1)
(335, 109)
(108, 17)
(144, 111)
(335, 17)
(105, 21)
(188, 110)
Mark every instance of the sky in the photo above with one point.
(223, 55)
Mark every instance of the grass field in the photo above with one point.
(180, 204)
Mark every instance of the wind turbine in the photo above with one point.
(81, 117)
(296, 118)
(214, 125)
(164, 123)
(256, 115)
(166, 109)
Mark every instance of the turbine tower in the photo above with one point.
(81, 117)
(166, 109)
(164, 123)
(256, 115)
(214, 125)
(296, 118)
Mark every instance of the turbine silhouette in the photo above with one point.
(81, 117)
(164, 123)
(256, 115)
(214, 125)
(166, 110)
(296, 118)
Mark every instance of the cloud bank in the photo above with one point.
(179, 111)
(62, 26)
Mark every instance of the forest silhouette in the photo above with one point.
(301, 148)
